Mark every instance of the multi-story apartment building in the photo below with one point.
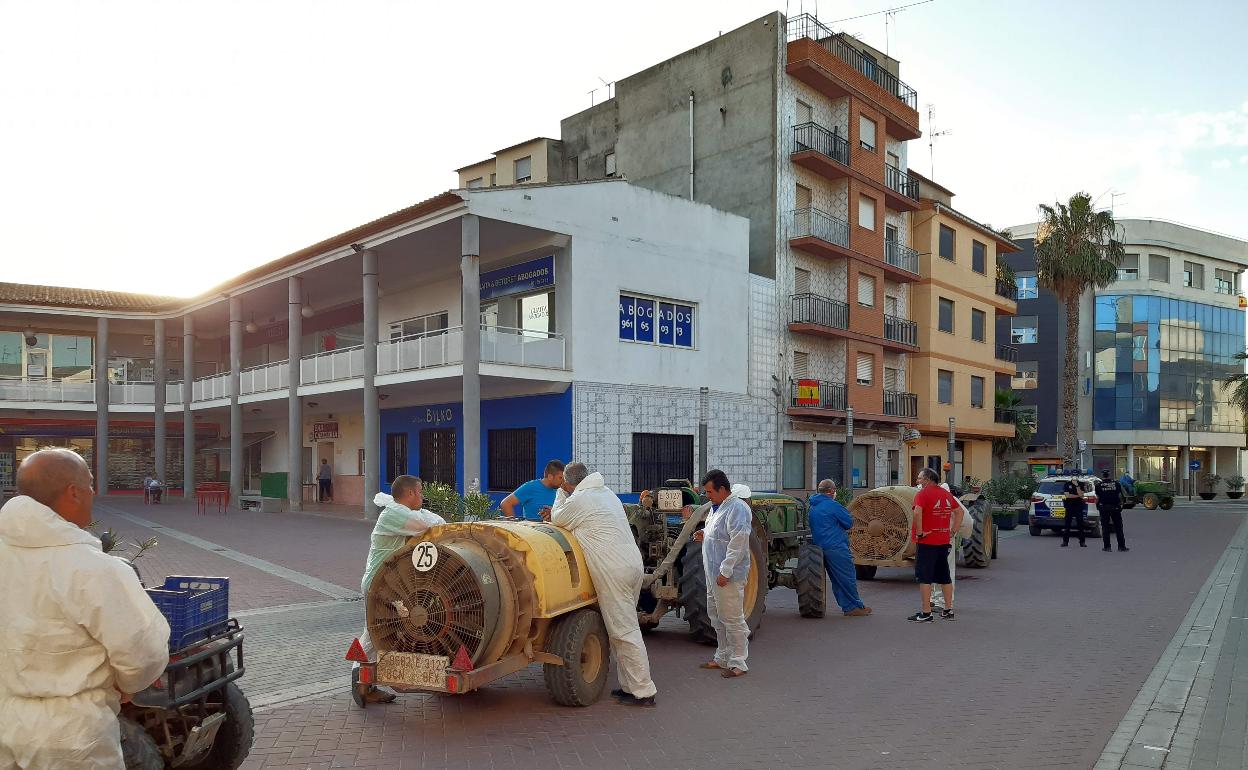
(1153, 349)
(956, 306)
(533, 162)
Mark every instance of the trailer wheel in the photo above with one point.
(234, 737)
(811, 582)
(138, 749)
(865, 571)
(581, 640)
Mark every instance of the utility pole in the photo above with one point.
(953, 445)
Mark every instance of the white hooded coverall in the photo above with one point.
(75, 627)
(596, 516)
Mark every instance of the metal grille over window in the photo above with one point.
(512, 456)
(658, 457)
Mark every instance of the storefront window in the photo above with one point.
(10, 354)
(794, 465)
(72, 357)
(537, 313)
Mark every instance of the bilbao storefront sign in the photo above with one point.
(518, 279)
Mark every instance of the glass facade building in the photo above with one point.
(1158, 361)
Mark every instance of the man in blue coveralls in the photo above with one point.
(535, 497)
(829, 523)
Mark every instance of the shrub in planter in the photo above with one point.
(1005, 519)
(1235, 486)
(1209, 486)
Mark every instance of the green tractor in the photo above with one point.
(781, 554)
(1152, 495)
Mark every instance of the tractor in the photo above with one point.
(781, 554)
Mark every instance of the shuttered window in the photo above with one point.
(866, 368)
(977, 392)
(803, 197)
(978, 321)
(801, 365)
(801, 281)
(892, 379)
(944, 316)
(946, 242)
(524, 169)
(804, 114)
(866, 212)
(658, 457)
(512, 458)
(979, 257)
(866, 290)
(944, 386)
(1158, 268)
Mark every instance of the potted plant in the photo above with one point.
(1003, 490)
(1209, 486)
(1235, 486)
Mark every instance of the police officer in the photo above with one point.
(1076, 509)
(1109, 494)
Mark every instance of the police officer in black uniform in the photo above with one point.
(1109, 503)
(1076, 509)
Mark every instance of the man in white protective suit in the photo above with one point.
(585, 506)
(77, 632)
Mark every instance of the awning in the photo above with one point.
(249, 439)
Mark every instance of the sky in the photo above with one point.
(163, 147)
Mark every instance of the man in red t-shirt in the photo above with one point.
(936, 517)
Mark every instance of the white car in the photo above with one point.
(1048, 509)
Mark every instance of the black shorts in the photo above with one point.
(931, 564)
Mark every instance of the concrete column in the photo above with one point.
(1213, 461)
(294, 414)
(470, 277)
(158, 401)
(188, 417)
(1131, 459)
(372, 405)
(236, 411)
(101, 406)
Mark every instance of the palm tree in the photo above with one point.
(1077, 249)
(1008, 401)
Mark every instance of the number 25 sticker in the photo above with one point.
(425, 556)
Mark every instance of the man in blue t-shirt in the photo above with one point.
(533, 500)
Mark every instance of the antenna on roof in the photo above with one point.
(931, 141)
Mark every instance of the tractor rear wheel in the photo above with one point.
(977, 550)
(693, 590)
(580, 638)
(1167, 503)
(810, 581)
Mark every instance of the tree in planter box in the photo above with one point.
(1209, 486)
(1004, 491)
(1235, 486)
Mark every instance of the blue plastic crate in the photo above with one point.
(192, 605)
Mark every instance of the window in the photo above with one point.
(537, 313)
(944, 386)
(794, 468)
(947, 239)
(804, 113)
(437, 455)
(866, 133)
(866, 368)
(1028, 376)
(474, 183)
(801, 281)
(658, 457)
(11, 345)
(803, 197)
(894, 160)
(1023, 330)
(892, 380)
(978, 320)
(1030, 414)
(434, 323)
(866, 290)
(944, 320)
(656, 321)
(396, 456)
(1158, 268)
(979, 257)
(72, 357)
(360, 465)
(866, 212)
(1027, 287)
(610, 163)
(524, 169)
(977, 392)
(890, 233)
(1193, 275)
(512, 457)
(801, 365)
(1129, 269)
(1224, 281)
(859, 468)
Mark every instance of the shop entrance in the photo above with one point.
(437, 455)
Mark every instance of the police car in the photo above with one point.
(1048, 508)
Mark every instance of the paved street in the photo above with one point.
(1059, 657)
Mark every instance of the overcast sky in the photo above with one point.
(164, 146)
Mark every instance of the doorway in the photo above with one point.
(325, 451)
(437, 455)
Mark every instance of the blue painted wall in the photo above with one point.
(550, 415)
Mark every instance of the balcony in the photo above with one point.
(817, 394)
(901, 257)
(1007, 353)
(901, 331)
(820, 233)
(522, 347)
(263, 378)
(820, 150)
(1007, 290)
(211, 388)
(499, 345)
(52, 390)
(332, 366)
(901, 192)
(1003, 416)
(421, 351)
(820, 311)
(897, 404)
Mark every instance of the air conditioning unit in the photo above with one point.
(1029, 383)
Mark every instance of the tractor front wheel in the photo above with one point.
(581, 640)
(810, 581)
(1150, 501)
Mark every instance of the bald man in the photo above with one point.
(77, 630)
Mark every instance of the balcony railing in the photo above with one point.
(812, 136)
(813, 223)
(900, 182)
(1007, 353)
(1007, 290)
(1004, 416)
(499, 345)
(332, 365)
(821, 311)
(901, 256)
(806, 25)
(816, 394)
(265, 377)
(897, 404)
(132, 392)
(173, 392)
(44, 389)
(521, 347)
(421, 351)
(901, 330)
(211, 388)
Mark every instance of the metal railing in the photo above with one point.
(265, 377)
(897, 404)
(522, 347)
(210, 388)
(332, 365)
(173, 392)
(1007, 353)
(812, 136)
(899, 181)
(821, 311)
(421, 351)
(132, 393)
(807, 393)
(54, 390)
(1007, 290)
(1005, 416)
(807, 26)
(901, 256)
(813, 223)
(901, 330)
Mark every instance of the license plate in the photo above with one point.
(412, 669)
(1058, 513)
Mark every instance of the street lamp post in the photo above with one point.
(1187, 472)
